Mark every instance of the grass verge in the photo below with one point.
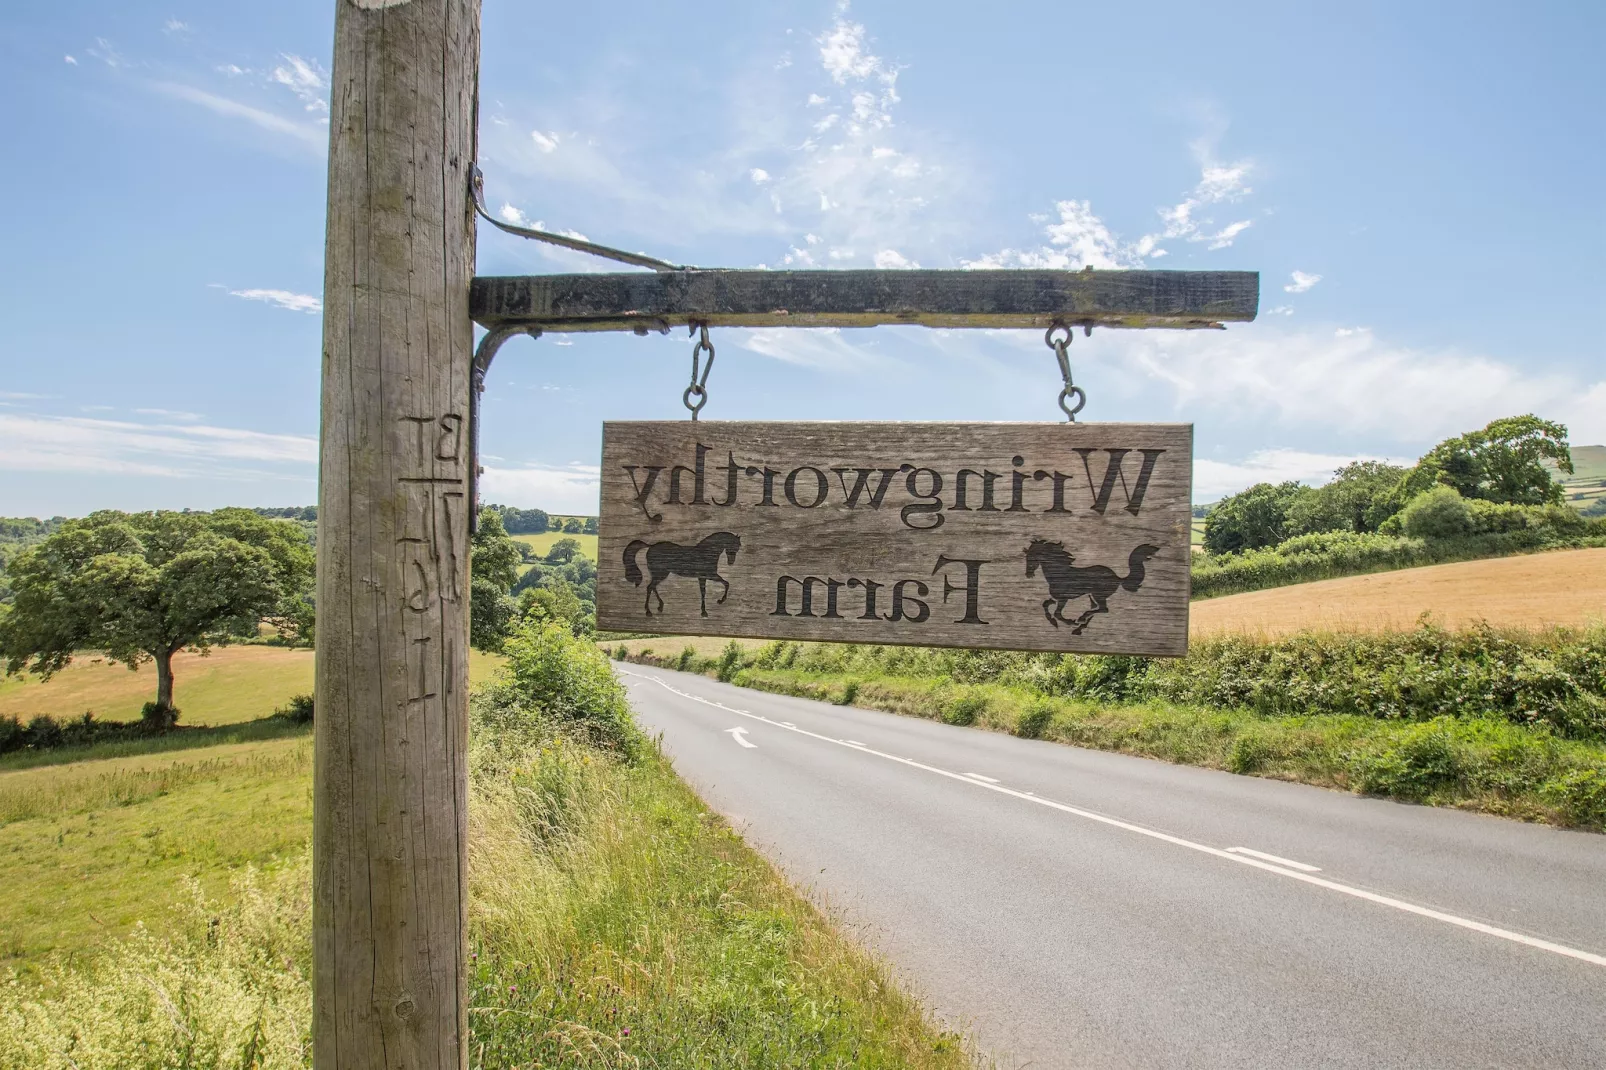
(614, 921)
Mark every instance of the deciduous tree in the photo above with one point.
(143, 586)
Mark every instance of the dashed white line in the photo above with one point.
(1289, 862)
(853, 743)
(1165, 837)
(983, 779)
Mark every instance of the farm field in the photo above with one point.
(1587, 484)
(231, 685)
(542, 543)
(1561, 587)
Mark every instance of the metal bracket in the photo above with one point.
(483, 355)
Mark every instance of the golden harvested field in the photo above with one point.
(543, 543)
(231, 685)
(1561, 587)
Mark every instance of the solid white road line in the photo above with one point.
(853, 743)
(984, 779)
(1290, 863)
(740, 736)
(1165, 837)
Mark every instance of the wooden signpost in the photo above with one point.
(396, 494)
(1070, 537)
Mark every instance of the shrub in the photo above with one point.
(1422, 760)
(850, 691)
(686, 656)
(730, 660)
(964, 707)
(1035, 719)
(12, 735)
(43, 731)
(1581, 796)
(553, 679)
(158, 718)
(1250, 753)
(297, 711)
(1440, 513)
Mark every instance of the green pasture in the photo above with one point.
(542, 543)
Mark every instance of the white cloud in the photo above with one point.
(544, 142)
(891, 258)
(114, 447)
(1214, 479)
(71, 60)
(1348, 381)
(171, 414)
(1279, 310)
(1302, 282)
(759, 176)
(823, 348)
(104, 52)
(175, 26)
(314, 136)
(303, 78)
(231, 69)
(571, 488)
(283, 299)
(1081, 239)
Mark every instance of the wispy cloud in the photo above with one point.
(174, 26)
(283, 299)
(1213, 479)
(114, 447)
(310, 134)
(1080, 238)
(1302, 282)
(305, 79)
(824, 348)
(70, 59)
(570, 488)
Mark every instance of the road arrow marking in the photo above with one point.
(740, 736)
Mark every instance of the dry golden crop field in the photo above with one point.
(1560, 587)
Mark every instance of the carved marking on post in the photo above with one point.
(422, 692)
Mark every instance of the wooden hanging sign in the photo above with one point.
(1014, 536)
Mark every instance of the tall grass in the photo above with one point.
(614, 922)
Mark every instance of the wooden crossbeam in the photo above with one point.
(643, 301)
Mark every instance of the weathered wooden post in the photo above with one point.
(389, 839)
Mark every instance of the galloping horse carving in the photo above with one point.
(701, 562)
(1066, 582)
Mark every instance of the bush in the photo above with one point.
(297, 711)
(1422, 761)
(850, 691)
(964, 708)
(1581, 796)
(158, 718)
(43, 732)
(687, 656)
(730, 660)
(1035, 719)
(553, 679)
(1440, 513)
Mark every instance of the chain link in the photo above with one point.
(1069, 390)
(699, 383)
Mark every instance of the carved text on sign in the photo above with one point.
(1021, 536)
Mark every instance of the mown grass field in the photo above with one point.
(1566, 587)
(543, 542)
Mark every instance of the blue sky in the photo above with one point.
(1419, 185)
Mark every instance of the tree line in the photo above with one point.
(1487, 480)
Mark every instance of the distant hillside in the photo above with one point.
(1586, 487)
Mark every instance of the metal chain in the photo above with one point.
(699, 384)
(1069, 390)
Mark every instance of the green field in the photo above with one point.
(542, 543)
(1587, 484)
(158, 913)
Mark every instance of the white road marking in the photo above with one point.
(987, 779)
(789, 724)
(1165, 837)
(1290, 863)
(853, 743)
(740, 736)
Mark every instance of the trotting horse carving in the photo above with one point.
(1066, 582)
(701, 562)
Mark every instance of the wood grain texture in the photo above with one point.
(390, 772)
(1081, 543)
(653, 300)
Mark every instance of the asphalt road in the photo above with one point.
(1082, 909)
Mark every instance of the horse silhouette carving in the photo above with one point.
(1066, 582)
(700, 562)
